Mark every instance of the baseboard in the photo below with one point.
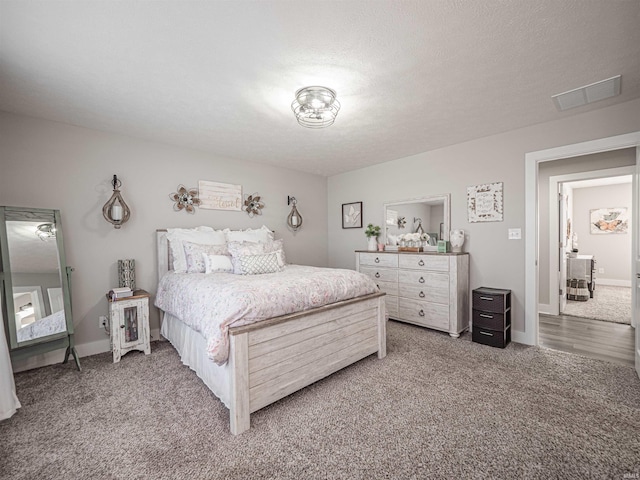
(546, 309)
(83, 349)
(612, 282)
(519, 337)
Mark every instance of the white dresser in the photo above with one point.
(427, 289)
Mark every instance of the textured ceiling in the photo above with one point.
(219, 76)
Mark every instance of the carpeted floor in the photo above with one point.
(435, 407)
(610, 304)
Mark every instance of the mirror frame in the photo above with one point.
(444, 197)
(50, 342)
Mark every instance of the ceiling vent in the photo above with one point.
(588, 94)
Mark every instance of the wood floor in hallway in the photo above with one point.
(592, 338)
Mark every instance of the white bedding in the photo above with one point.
(211, 303)
(43, 327)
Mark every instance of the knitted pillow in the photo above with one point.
(256, 264)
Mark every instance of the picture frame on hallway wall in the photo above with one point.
(608, 220)
(352, 215)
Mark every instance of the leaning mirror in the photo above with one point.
(429, 214)
(36, 302)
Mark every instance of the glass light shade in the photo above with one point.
(46, 231)
(315, 107)
(116, 211)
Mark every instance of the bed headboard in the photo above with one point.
(163, 252)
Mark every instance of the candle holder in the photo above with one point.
(116, 211)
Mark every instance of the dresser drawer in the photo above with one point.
(391, 302)
(491, 320)
(379, 259)
(424, 313)
(424, 286)
(491, 299)
(390, 288)
(424, 262)
(490, 337)
(380, 274)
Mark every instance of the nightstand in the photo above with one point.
(129, 323)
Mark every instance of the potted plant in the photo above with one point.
(372, 233)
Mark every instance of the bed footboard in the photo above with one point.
(272, 359)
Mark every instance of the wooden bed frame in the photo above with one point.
(273, 358)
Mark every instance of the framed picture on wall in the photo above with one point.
(352, 215)
(609, 220)
(484, 203)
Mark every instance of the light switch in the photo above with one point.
(515, 234)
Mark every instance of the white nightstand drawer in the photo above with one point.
(379, 259)
(380, 274)
(425, 262)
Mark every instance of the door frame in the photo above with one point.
(554, 219)
(532, 160)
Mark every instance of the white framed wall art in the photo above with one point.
(485, 202)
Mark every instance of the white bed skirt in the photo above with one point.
(192, 348)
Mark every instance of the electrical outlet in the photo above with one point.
(601, 270)
(102, 321)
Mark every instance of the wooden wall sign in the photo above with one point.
(220, 196)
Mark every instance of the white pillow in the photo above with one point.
(256, 264)
(237, 249)
(217, 263)
(194, 254)
(260, 235)
(176, 237)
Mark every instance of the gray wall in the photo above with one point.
(587, 163)
(53, 165)
(495, 261)
(612, 251)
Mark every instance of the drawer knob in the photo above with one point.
(490, 299)
(377, 275)
(421, 313)
(484, 315)
(377, 260)
(421, 279)
(421, 263)
(121, 326)
(421, 294)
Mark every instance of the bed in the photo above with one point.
(274, 357)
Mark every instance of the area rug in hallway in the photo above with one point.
(610, 304)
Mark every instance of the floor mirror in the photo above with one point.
(35, 297)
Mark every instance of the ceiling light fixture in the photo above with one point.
(46, 231)
(315, 107)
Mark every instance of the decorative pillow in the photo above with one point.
(256, 264)
(253, 248)
(217, 263)
(202, 235)
(195, 252)
(261, 235)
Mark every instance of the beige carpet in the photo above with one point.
(436, 407)
(609, 304)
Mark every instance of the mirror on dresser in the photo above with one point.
(429, 214)
(35, 299)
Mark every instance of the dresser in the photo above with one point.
(426, 289)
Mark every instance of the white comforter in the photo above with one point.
(211, 303)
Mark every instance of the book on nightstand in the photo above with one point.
(121, 292)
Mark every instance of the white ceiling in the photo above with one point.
(601, 182)
(219, 76)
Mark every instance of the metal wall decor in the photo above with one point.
(294, 219)
(185, 199)
(484, 203)
(253, 205)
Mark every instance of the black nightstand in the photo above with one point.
(491, 316)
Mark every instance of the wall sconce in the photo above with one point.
(294, 220)
(116, 211)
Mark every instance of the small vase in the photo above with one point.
(456, 238)
(372, 245)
